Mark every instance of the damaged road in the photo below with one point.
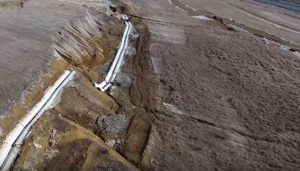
(193, 93)
(94, 118)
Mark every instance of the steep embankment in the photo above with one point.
(86, 128)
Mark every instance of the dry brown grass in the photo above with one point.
(9, 3)
(89, 42)
(77, 43)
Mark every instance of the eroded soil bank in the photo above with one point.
(192, 95)
(88, 129)
(28, 65)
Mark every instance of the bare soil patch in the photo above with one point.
(239, 104)
(12, 3)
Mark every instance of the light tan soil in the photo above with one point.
(26, 45)
(32, 98)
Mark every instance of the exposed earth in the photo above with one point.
(206, 85)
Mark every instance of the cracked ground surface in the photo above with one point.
(192, 95)
(230, 98)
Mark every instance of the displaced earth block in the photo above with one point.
(194, 93)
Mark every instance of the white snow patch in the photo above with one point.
(111, 143)
(297, 54)
(172, 108)
(287, 48)
(36, 145)
(202, 17)
(284, 47)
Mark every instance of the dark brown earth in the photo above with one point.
(240, 104)
(230, 100)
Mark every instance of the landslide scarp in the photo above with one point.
(88, 129)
